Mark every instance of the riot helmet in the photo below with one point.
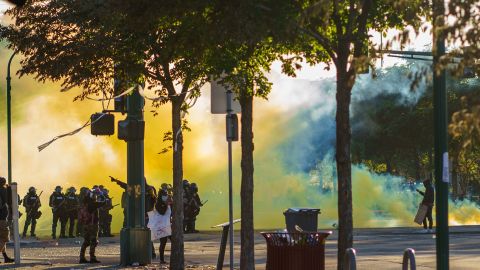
(186, 183)
(97, 195)
(71, 190)
(58, 189)
(32, 190)
(193, 188)
(164, 186)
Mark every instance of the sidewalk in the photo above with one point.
(379, 248)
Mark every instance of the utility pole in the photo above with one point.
(441, 139)
(9, 120)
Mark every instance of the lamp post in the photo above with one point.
(9, 121)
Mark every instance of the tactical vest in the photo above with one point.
(56, 199)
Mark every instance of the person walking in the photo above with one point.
(428, 200)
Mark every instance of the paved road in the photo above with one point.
(376, 249)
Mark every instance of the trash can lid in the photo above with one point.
(302, 210)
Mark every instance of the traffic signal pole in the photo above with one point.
(441, 138)
(135, 247)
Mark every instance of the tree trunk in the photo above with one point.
(247, 256)
(177, 260)
(344, 167)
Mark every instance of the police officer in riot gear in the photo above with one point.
(105, 218)
(192, 209)
(71, 210)
(186, 199)
(32, 203)
(57, 203)
(81, 197)
(88, 216)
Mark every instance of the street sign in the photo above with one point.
(219, 100)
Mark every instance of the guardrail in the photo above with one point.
(350, 259)
(409, 256)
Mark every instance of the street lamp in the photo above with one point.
(9, 121)
(9, 158)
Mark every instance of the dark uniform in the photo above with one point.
(32, 203)
(88, 216)
(105, 218)
(81, 198)
(4, 230)
(428, 200)
(10, 211)
(124, 186)
(192, 209)
(150, 200)
(71, 210)
(57, 203)
(186, 199)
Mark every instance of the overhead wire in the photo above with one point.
(108, 99)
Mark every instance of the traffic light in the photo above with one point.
(131, 130)
(232, 127)
(102, 124)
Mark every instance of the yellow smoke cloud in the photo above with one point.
(41, 112)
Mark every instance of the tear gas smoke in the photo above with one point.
(294, 140)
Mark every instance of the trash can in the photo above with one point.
(295, 251)
(305, 218)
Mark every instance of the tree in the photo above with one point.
(249, 38)
(338, 34)
(462, 33)
(80, 42)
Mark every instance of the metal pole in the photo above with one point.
(223, 245)
(350, 259)
(409, 256)
(16, 234)
(441, 140)
(135, 247)
(230, 179)
(9, 121)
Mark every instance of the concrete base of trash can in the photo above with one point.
(294, 251)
